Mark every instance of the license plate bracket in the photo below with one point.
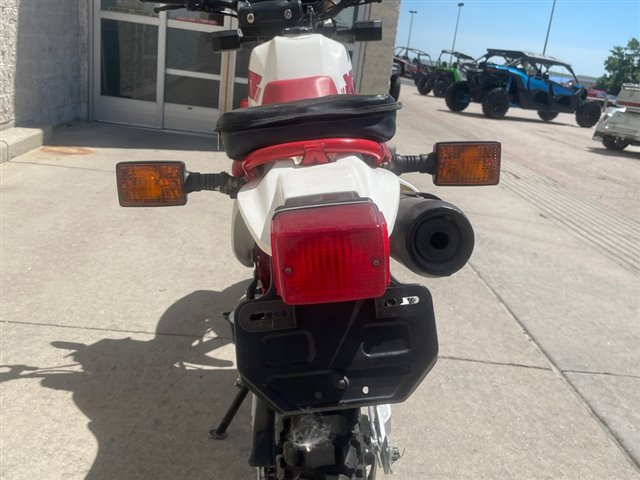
(338, 355)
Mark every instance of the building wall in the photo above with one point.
(43, 61)
(378, 56)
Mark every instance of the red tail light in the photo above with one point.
(330, 253)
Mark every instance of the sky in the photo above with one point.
(582, 32)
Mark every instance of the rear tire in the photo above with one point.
(613, 143)
(340, 449)
(424, 85)
(546, 115)
(496, 103)
(588, 113)
(458, 96)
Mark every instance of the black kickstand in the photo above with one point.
(220, 433)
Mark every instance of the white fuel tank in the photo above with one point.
(280, 70)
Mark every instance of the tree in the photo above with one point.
(622, 66)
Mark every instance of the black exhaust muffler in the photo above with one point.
(431, 237)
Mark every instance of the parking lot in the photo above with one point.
(115, 359)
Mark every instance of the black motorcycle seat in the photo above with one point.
(370, 117)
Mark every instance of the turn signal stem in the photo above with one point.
(413, 163)
(218, 182)
(454, 164)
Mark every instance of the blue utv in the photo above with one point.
(505, 78)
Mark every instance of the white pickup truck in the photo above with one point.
(620, 125)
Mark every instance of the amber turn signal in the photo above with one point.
(467, 163)
(151, 184)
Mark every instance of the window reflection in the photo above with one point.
(128, 61)
(190, 50)
(346, 17)
(242, 62)
(192, 91)
(239, 93)
(135, 7)
(196, 17)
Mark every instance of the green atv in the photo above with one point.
(443, 75)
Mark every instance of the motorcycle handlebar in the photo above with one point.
(197, 5)
(264, 19)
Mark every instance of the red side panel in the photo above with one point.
(297, 89)
(254, 85)
(349, 86)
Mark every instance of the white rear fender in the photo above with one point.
(258, 200)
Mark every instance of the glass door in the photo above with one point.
(195, 78)
(126, 63)
(159, 70)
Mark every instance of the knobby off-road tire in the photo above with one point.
(458, 96)
(613, 143)
(440, 87)
(328, 446)
(546, 115)
(424, 84)
(588, 113)
(496, 103)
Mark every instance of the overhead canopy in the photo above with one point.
(532, 57)
(460, 55)
(415, 51)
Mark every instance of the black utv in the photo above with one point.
(505, 78)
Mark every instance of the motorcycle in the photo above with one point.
(326, 338)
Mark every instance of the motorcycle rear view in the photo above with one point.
(326, 338)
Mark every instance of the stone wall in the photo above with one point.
(43, 61)
(379, 55)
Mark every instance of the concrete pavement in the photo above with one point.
(116, 360)
(559, 243)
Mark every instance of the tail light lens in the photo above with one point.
(330, 253)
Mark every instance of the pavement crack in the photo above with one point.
(561, 374)
(115, 330)
(491, 362)
(608, 374)
(63, 166)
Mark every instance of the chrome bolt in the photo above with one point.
(288, 270)
(251, 18)
(288, 14)
(376, 262)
